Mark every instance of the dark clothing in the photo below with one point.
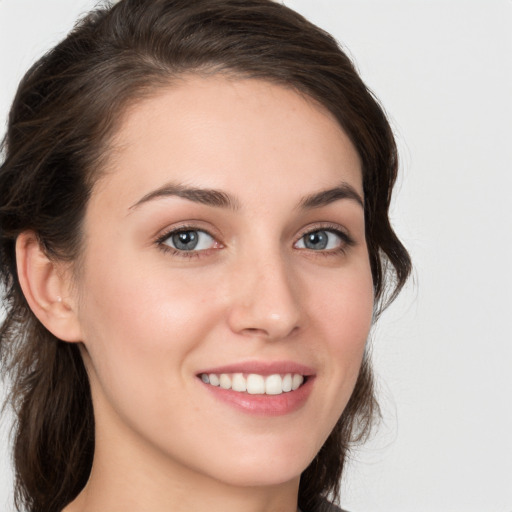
(325, 506)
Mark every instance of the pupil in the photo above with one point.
(316, 240)
(185, 241)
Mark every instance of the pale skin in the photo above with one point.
(150, 316)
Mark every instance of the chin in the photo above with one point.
(264, 475)
(264, 468)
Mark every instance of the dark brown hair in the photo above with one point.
(65, 113)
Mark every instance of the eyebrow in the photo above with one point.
(326, 197)
(209, 197)
(220, 199)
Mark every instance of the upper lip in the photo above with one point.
(262, 368)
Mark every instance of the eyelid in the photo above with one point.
(335, 228)
(167, 233)
(189, 225)
(340, 231)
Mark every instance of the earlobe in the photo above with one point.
(46, 285)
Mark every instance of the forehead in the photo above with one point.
(241, 135)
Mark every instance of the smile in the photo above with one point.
(255, 384)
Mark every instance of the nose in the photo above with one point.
(265, 299)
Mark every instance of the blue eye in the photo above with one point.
(321, 240)
(189, 240)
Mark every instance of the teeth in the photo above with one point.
(225, 381)
(255, 384)
(297, 381)
(238, 383)
(287, 382)
(274, 385)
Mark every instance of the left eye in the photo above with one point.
(190, 240)
(320, 240)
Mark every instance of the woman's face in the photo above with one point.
(226, 239)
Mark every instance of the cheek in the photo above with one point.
(139, 324)
(344, 305)
(342, 314)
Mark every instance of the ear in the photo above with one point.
(46, 285)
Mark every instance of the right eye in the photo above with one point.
(320, 240)
(187, 240)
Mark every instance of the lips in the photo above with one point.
(262, 368)
(264, 388)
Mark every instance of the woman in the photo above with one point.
(195, 242)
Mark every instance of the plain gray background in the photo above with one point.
(443, 352)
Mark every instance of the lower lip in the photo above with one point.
(264, 405)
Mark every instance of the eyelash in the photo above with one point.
(160, 242)
(346, 241)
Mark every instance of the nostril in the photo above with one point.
(255, 330)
